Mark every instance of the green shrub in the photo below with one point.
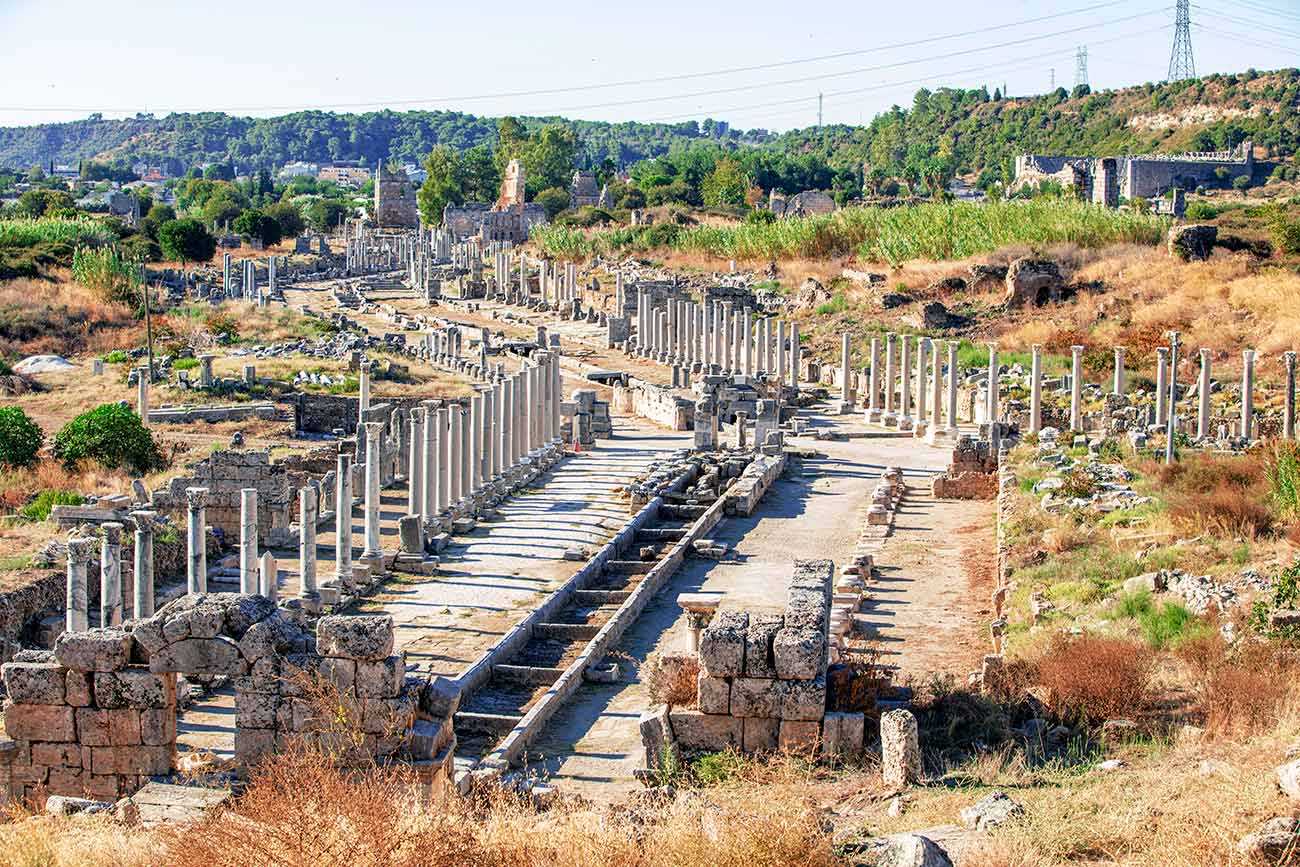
(117, 356)
(1169, 625)
(1241, 183)
(1284, 478)
(39, 508)
(185, 364)
(712, 769)
(111, 435)
(20, 438)
(1286, 595)
(838, 304)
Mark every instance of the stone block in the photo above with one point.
(722, 645)
(105, 649)
(842, 734)
(77, 690)
(35, 682)
(758, 645)
(657, 736)
(124, 727)
(255, 710)
(381, 678)
(40, 722)
(803, 699)
(694, 730)
(355, 636)
(133, 687)
(56, 755)
(440, 697)
(755, 697)
(158, 727)
(341, 673)
(273, 634)
(252, 745)
(760, 734)
(203, 656)
(799, 654)
(385, 716)
(900, 748)
(714, 694)
(799, 735)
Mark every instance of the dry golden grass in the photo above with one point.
(61, 317)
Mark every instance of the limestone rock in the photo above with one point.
(103, 649)
(906, 850)
(722, 645)
(218, 655)
(355, 636)
(1033, 281)
(900, 748)
(1193, 242)
(1276, 839)
(1288, 779)
(990, 811)
(35, 682)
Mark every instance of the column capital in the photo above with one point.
(112, 532)
(1288, 357)
(196, 498)
(80, 551)
(146, 521)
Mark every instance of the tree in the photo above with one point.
(324, 215)
(223, 205)
(155, 217)
(443, 185)
(186, 240)
(219, 172)
(20, 438)
(553, 200)
(482, 180)
(254, 223)
(725, 185)
(110, 435)
(288, 216)
(44, 203)
(548, 158)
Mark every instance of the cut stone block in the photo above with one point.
(35, 682)
(106, 649)
(722, 645)
(756, 697)
(800, 654)
(760, 734)
(355, 636)
(842, 734)
(714, 694)
(758, 645)
(798, 735)
(700, 731)
(803, 699)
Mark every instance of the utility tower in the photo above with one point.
(1181, 65)
(1081, 65)
(819, 111)
(1051, 79)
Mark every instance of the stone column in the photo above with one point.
(1203, 398)
(489, 439)
(456, 489)
(557, 393)
(442, 447)
(415, 468)
(374, 436)
(1119, 370)
(936, 431)
(1288, 397)
(890, 417)
(905, 385)
(110, 574)
(1076, 388)
(363, 390)
(197, 572)
(77, 604)
(145, 521)
(953, 346)
(343, 521)
(1247, 394)
(268, 576)
(466, 456)
(920, 424)
(900, 750)
(429, 488)
(307, 542)
(747, 341)
(1162, 383)
(475, 451)
(780, 351)
(1036, 390)
(505, 430)
(846, 373)
(142, 393)
(248, 540)
(873, 381)
(795, 355)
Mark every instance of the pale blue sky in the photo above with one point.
(69, 58)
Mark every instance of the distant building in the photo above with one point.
(804, 204)
(345, 173)
(395, 205)
(1150, 176)
(510, 219)
(298, 169)
(415, 173)
(583, 192)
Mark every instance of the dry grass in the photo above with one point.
(1224, 494)
(61, 317)
(671, 678)
(1092, 678)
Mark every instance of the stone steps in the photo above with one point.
(567, 631)
(629, 567)
(601, 597)
(486, 723)
(531, 674)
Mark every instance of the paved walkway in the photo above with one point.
(593, 744)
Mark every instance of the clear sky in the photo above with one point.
(65, 59)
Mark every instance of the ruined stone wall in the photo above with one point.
(1149, 178)
(225, 474)
(972, 473)
(325, 413)
(657, 404)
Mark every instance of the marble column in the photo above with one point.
(747, 341)
(442, 445)
(953, 430)
(1076, 388)
(110, 574)
(142, 394)
(1119, 370)
(1203, 398)
(490, 470)
(415, 468)
(343, 521)
(374, 436)
(456, 488)
(890, 417)
(77, 603)
(873, 381)
(307, 542)
(429, 476)
(1288, 397)
(363, 390)
(248, 540)
(795, 355)
(1036, 390)
(475, 451)
(557, 394)
(846, 372)
(936, 430)
(466, 477)
(905, 384)
(505, 431)
(1247, 394)
(196, 500)
(1162, 383)
(919, 424)
(143, 583)
(780, 351)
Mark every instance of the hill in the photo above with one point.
(963, 130)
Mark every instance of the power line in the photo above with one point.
(644, 81)
(1244, 37)
(1181, 65)
(1266, 10)
(1232, 19)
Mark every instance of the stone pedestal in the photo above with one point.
(145, 523)
(248, 540)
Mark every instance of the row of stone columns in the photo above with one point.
(912, 400)
(711, 336)
(81, 552)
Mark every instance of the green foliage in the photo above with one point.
(553, 200)
(110, 435)
(1285, 229)
(254, 223)
(20, 438)
(107, 274)
(1283, 469)
(39, 508)
(287, 216)
(1241, 183)
(324, 215)
(35, 204)
(760, 217)
(1285, 597)
(117, 356)
(186, 240)
(837, 304)
(713, 769)
(725, 185)
(1166, 625)
(73, 232)
(444, 184)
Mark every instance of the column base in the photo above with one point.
(942, 436)
(905, 423)
(889, 419)
(919, 429)
(841, 407)
(872, 415)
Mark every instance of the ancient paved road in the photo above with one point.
(593, 745)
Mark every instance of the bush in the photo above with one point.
(1241, 689)
(111, 435)
(760, 217)
(39, 508)
(671, 678)
(1241, 183)
(1092, 678)
(20, 438)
